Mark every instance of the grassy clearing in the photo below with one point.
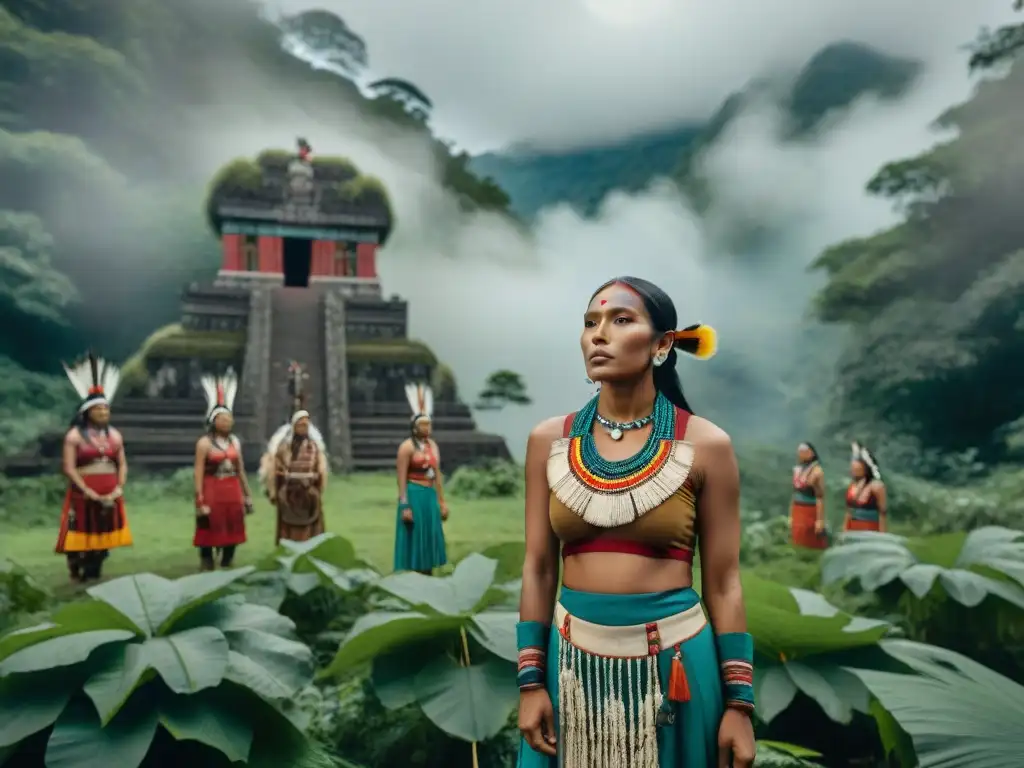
(361, 508)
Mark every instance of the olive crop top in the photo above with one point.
(666, 529)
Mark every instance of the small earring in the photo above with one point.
(660, 359)
(590, 382)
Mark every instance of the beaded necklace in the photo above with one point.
(664, 428)
(612, 493)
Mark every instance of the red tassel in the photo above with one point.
(678, 685)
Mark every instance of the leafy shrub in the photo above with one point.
(962, 591)
(440, 647)
(19, 594)
(31, 501)
(489, 480)
(148, 668)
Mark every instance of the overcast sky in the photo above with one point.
(571, 72)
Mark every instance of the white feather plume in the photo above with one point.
(421, 399)
(412, 394)
(229, 383)
(80, 375)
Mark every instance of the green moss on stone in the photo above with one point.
(242, 178)
(391, 351)
(174, 341)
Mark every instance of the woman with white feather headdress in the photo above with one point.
(866, 503)
(223, 498)
(93, 520)
(294, 470)
(419, 534)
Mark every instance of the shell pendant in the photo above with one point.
(615, 434)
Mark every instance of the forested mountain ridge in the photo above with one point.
(937, 302)
(831, 80)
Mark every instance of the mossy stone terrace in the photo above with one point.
(261, 183)
(176, 342)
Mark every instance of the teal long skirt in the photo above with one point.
(420, 546)
(690, 740)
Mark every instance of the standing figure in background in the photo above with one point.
(223, 498)
(807, 512)
(419, 533)
(93, 519)
(294, 470)
(866, 506)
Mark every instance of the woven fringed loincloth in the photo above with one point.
(611, 698)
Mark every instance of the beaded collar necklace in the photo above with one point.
(607, 493)
(664, 420)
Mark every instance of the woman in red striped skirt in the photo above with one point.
(93, 519)
(223, 498)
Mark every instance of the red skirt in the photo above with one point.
(225, 525)
(90, 526)
(802, 522)
(862, 525)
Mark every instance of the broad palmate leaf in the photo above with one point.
(147, 653)
(968, 568)
(958, 713)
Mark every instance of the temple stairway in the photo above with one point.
(297, 333)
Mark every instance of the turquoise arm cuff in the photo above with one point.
(532, 641)
(736, 657)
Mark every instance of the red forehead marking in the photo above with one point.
(603, 302)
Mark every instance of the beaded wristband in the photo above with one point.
(736, 657)
(532, 641)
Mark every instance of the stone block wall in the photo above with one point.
(336, 373)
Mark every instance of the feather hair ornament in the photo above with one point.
(698, 340)
(220, 392)
(95, 380)
(421, 399)
(861, 453)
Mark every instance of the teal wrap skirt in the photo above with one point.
(610, 712)
(420, 546)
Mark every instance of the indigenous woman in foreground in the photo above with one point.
(866, 505)
(222, 489)
(625, 670)
(807, 512)
(419, 534)
(93, 520)
(294, 470)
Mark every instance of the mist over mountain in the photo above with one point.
(833, 79)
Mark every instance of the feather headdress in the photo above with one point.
(860, 452)
(94, 379)
(220, 393)
(421, 400)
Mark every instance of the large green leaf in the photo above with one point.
(69, 619)
(460, 593)
(206, 720)
(79, 740)
(958, 713)
(275, 667)
(777, 754)
(470, 703)
(153, 603)
(801, 641)
(232, 613)
(377, 633)
(987, 561)
(791, 623)
(187, 661)
(496, 631)
(30, 703)
(61, 651)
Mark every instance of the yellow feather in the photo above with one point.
(707, 340)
